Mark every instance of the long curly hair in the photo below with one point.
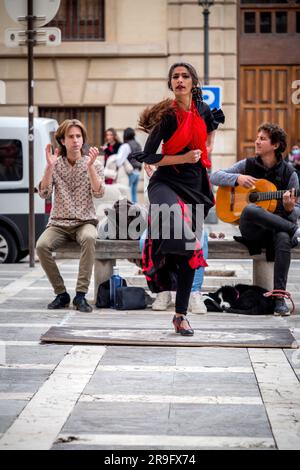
(152, 115)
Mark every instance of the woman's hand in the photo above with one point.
(193, 156)
(93, 154)
(149, 169)
(50, 157)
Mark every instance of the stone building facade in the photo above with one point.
(115, 78)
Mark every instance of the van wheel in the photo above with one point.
(22, 255)
(8, 247)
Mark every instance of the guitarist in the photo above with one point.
(257, 225)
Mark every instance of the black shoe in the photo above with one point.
(80, 303)
(177, 322)
(281, 308)
(60, 301)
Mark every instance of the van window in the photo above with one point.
(11, 160)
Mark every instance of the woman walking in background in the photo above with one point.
(112, 145)
(125, 153)
(187, 128)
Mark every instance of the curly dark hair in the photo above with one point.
(152, 115)
(277, 136)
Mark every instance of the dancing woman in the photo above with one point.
(187, 128)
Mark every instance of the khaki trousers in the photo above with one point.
(52, 238)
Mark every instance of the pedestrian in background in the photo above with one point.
(296, 160)
(125, 154)
(112, 145)
(295, 151)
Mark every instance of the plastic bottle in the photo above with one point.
(115, 282)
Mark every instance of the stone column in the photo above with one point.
(263, 273)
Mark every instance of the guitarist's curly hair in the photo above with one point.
(277, 136)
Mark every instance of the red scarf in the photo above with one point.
(191, 133)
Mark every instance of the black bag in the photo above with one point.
(130, 298)
(103, 294)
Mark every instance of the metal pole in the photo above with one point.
(206, 43)
(30, 45)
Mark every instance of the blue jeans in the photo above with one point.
(133, 182)
(199, 273)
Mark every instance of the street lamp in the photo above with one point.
(206, 4)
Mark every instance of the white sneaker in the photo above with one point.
(162, 301)
(196, 303)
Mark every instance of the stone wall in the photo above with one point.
(185, 38)
(128, 71)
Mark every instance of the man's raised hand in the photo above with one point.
(93, 154)
(50, 156)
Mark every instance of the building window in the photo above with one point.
(80, 20)
(91, 117)
(249, 19)
(11, 160)
(265, 1)
(298, 22)
(281, 21)
(265, 22)
(270, 16)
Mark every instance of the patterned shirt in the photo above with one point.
(73, 194)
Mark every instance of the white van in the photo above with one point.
(14, 183)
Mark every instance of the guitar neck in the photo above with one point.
(268, 195)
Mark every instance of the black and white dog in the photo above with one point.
(242, 298)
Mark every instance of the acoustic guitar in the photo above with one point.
(231, 200)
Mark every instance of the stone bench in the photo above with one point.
(262, 270)
(108, 251)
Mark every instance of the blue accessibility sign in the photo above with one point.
(212, 96)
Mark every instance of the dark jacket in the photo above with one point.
(135, 147)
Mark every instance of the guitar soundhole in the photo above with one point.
(253, 197)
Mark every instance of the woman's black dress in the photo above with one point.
(175, 185)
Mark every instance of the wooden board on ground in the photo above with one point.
(225, 337)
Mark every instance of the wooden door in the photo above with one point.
(266, 95)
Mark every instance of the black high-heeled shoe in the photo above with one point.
(177, 322)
